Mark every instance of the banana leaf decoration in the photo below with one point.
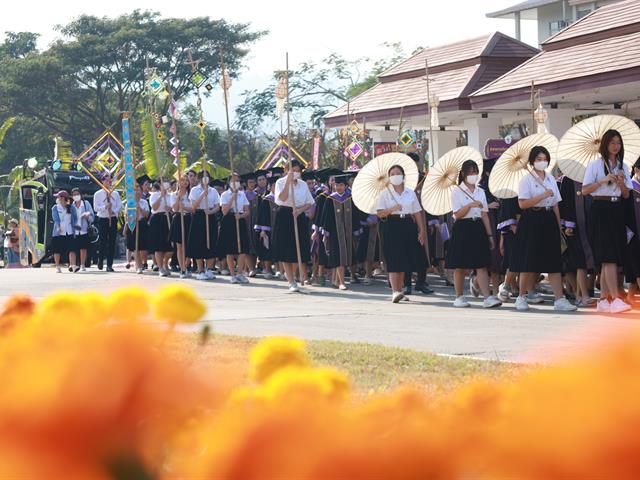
(156, 160)
(62, 151)
(4, 128)
(216, 171)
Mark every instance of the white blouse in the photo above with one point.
(408, 200)
(212, 199)
(143, 209)
(531, 187)
(240, 203)
(301, 194)
(173, 200)
(461, 196)
(163, 206)
(595, 173)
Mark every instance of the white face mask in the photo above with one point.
(77, 198)
(540, 165)
(235, 185)
(472, 179)
(166, 185)
(296, 175)
(396, 179)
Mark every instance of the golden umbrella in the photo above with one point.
(373, 179)
(443, 178)
(514, 164)
(581, 143)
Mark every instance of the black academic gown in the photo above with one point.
(338, 225)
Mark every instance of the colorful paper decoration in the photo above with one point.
(198, 78)
(277, 157)
(129, 175)
(103, 157)
(407, 138)
(354, 150)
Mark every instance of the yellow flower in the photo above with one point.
(129, 303)
(62, 305)
(274, 353)
(178, 304)
(296, 383)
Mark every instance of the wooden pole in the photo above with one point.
(432, 159)
(293, 198)
(179, 167)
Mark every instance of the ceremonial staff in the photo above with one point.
(429, 107)
(225, 82)
(175, 141)
(295, 218)
(203, 149)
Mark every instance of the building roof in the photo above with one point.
(603, 20)
(518, 7)
(604, 57)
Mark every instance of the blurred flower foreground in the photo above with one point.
(90, 390)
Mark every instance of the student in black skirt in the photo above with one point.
(182, 210)
(264, 227)
(632, 218)
(401, 221)
(235, 210)
(608, 182)
(206, 203)
(294, 199)
(160, 226)
(471, 239)
(84, 218)
(139, 242)
(538, 240)
(507, 227)
(62, 234)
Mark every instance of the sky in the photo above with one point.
(304, 30)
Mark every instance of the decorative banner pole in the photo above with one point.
(129, 182)
(432, 160)
(225, 83)
(175, 152)
(198, 79)
(293, 198)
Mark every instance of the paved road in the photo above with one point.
(362, 314)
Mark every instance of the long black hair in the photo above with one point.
(608, 136)
(468, 167)
(537, 150)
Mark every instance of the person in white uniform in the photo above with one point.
(107, 205)
(205, 201)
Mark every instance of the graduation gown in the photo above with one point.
(251, 221)
(508, 214)
(266, 222)
(317, 247)
(632, 220)
(578, 254)
(339, 224)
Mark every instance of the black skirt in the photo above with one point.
(632, 263)
(607, 233)
(398, 237)
(468, 245)
(81, 242)
(159, 227)
(368, 245)
(61, 244)
(508, 242)
(143, 237)
(228, 241)
(537, 244)
(284, 241)
(197, 241)
(264, 254)
(573, 257)
(176, 228)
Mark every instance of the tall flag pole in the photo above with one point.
(225, 83)
(198, 79)
(432, 160)
(175, 152)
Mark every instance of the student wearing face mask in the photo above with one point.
(63, 228)
(160, 226)
(84, 217)
(538, 238)
(137, 240)
(107, 205)
(472, 238)
(182, 209)
(401, 221)
(235, 211)
(294, 200)
(206, 203)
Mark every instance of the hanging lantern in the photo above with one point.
(281, 96)
(435, 121)
(541, 117)
(225, 81)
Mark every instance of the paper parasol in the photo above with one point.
(514, 164)
(372, 179)
(443, 178)
(581, 143)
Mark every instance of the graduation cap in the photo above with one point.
(247, 176)
(342, 178)
(276, 171)
(261, 173)
(324, 174)
(142, 179)
(272, 180)
(218, 183)
(308, 175)
(351, 173)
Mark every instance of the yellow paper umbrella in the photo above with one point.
(443, 178)
(581, 143)
(514, 164)
(373, 179)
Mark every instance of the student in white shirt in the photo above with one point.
(294, 200)
(471, 239)
(401, 220)
(234, 235)
(159, 227)
(608, 182)
(538, 238)
(64, 220)
(182, 209)
(107, 205)
(84, 217)
(205, 202)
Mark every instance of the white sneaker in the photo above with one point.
(534, 298)
(268, 276)
(342, 287)
(167, 273)
(209, 274)
(234, 279)
(161, 273)
(563, 305)
(139, 271)
(460, 302)
(397, 296)
(201, 276)
(183, 275)
(242, 279)
(83, 268)
(224, 272)
(367, 281)
(604, 306)
(473, 289)
(491, 302)
(293, 287)
(521, 304)
(188, 274)
(252, 274)
(377, 272)
(619, 306)
(58, 270)
(279, 276)
(585, 302)
(504, 292)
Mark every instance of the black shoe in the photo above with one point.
(155, 268)
(110, 269)
(100, 265)
(422, 288)
(406, 290)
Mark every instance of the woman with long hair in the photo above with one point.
(472, 238)
(64, 218)
(201, 243)
(182, 209)
(538, 238)
(401, 221)
(608, 181)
